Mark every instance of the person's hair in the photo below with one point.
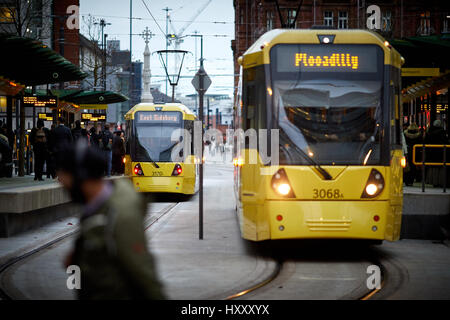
(106, 126)
(61, 120)
(437, 123)
(40, 123)
(78, 124)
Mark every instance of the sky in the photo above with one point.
(215, 22)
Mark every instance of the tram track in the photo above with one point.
(149, 222)
(278, 269)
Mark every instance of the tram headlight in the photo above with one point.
(374, 185)
(283, 189)
(371, 189)
(280, 184)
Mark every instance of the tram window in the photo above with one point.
(249, 107)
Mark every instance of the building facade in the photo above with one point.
(399, 18)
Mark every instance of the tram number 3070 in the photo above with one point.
(327, 194)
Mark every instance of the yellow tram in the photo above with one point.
(333, 99)
(154, 150)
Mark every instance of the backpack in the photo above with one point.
(40, 136)
(106, 136)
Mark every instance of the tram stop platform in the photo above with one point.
(426, 215)
(27, 204)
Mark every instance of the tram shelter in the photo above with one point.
(425, 79)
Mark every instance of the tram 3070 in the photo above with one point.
(334, 97)
(154, 157)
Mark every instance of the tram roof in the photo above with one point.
(258, 53)
(165, 107)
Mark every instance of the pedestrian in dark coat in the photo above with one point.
(62, 136)
(111, 249)
(39, 138)
(118, 152)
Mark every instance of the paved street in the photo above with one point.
(223, 264)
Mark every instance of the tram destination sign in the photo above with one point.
(168, 117)
(326, 58)
(40, 101)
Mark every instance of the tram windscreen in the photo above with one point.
(328, 102)
(156, 134)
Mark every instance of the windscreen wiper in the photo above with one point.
(151, 160)
(325, 174)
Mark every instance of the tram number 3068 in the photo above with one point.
(327, 194)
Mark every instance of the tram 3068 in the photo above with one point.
(334, 97)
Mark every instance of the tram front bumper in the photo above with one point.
(158, 184)
(329, 219)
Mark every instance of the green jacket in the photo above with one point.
(112, 251)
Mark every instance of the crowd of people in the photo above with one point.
(47, 143)
(414, 135)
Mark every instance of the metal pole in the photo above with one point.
(104, 62)
(445, 168)
(201, 93)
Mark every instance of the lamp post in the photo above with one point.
(103, 24)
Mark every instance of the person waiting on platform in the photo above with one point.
(39, 138)
(106, 145)
(412, 136)
(118, 152)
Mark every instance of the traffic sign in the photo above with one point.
(206, 80)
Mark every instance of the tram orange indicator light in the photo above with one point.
(279, 217)
(403, 162)
(238, 162)
(376, 218)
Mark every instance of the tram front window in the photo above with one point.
(334, 118)
(155, 132)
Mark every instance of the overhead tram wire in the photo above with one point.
(162, 31)
(147, 19)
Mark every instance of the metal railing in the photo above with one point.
(433, 159)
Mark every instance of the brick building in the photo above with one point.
(399, 18)
(61, 32)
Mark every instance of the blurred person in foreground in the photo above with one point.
(111, 248)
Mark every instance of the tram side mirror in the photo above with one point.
(181, 138)
(181, 153)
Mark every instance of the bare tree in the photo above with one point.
(23, 17)
(93, 60)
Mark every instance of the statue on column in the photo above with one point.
(146, 75)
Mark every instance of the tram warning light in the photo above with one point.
(177, 170)
(138, 170)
